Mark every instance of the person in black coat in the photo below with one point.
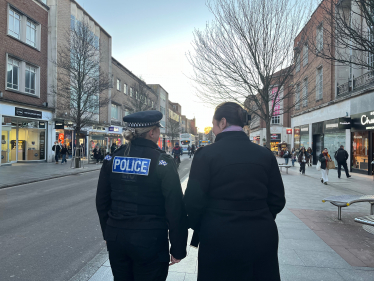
(113, 148)
(303, 159)
(233, 196)
(341, 156)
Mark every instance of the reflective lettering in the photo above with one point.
(123, 165)
(116, 163)
(136, 164)
(143, 167)
(128, 166)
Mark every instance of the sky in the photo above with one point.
(151, 38)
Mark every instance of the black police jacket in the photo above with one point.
(142, 191)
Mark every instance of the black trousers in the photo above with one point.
(344, 164)
(138, 254)
(57, 156)
(302, 167)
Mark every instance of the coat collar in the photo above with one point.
(144, 142)
(234, 134)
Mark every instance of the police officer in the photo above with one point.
(139, 198)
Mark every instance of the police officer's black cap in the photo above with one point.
(143, 119)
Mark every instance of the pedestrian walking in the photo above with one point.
(189, 150)
(113, 148)
(324, 158)
(286, 156)
(96, 153)
(341, 156)
(303, 156)
(64, 152)
(56, 148)
(232, 201)
(193, 148)
(310, 156)
(293, 156)
(139, 201)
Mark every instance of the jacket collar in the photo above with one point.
(144, 142)
(233, 134)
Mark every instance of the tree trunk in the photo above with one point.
(268, 137)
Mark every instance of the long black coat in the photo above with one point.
(233, 195)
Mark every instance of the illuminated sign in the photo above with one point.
(289, 131)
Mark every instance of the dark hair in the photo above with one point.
(233, 112)
(325, 148)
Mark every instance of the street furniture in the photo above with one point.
(369, 220)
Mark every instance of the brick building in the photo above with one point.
(25, 115)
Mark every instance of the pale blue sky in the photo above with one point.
(151, 39)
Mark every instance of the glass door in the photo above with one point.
(5, 144)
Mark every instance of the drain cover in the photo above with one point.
(368, 228)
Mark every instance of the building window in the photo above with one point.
(136, 95)
(115, 112)
(162, 109)
(13, 74)
(31, 33)
(305, 55)
(275, 119)
(297, 62)
(297, 96)
(30, 76)
(14, 24)
(319, 38)
(131, 91)
(153, 104)
(118, 85)
(319, 86)
(125, 89)
(305, 92)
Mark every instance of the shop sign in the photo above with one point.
(367, 120)
(113, 129)
(332, 126)
(305, 129)
(344, 123)
(41, 125)
(297, 131)
(24, 112)
(42, 145)
(59, 124)
(289, 131)
(275, 137)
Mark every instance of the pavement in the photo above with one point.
(313, 244)
(22, 173)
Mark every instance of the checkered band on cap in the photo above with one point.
(142, 125)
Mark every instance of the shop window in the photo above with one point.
(30, 79)
(13, 74)
(360, 150)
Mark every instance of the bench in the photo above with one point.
(342, 201)
(369, 220)
(284, 166)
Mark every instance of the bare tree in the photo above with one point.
(141, 100)
(246, 52)
(81, 82)
(173, 129)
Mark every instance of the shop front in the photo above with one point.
(23, 135)
(362, 137)
(327, 134)
(115, 136)
(65, 134)
(275, 140)
(98, 137)
(257, 140)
